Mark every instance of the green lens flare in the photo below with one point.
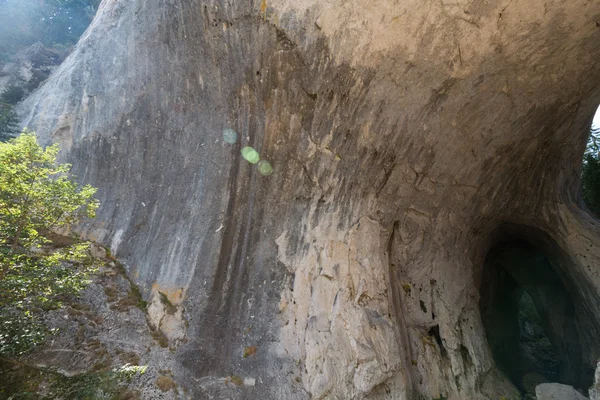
(230, 136)
(250, 155)
(265, 168)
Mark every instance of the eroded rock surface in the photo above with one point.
(403, 136)
(105, 328)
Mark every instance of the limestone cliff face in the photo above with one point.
(406, 138)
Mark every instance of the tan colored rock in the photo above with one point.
(348, 305)
(166, 316)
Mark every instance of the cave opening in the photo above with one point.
(529, 316)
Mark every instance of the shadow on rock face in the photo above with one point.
(530, 317)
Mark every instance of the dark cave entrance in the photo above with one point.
(529, 317)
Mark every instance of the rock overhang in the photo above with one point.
(417, 128)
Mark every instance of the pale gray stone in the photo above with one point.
(557, 391)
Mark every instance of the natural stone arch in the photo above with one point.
(401, 135)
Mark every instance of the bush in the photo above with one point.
(37, 197)
(12, 95)
(590, 182)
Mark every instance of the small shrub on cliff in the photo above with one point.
(37, 197)
(93, 385)
(590, 182)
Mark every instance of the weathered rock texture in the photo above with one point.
(556, 391)
(407, 138)
(595, 389)
(107, 328)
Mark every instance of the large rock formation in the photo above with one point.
(407, 138)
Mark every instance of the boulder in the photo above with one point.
(557, 391)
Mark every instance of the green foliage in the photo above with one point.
(169, 307)
(593, 145)
(9, 122)
(41, 282)
(235, 379)
(590, 173)
(36, 194)
(20, 381)
(12, 95)
(92, 385)
(136, 295)
(36, 198)
(19, 332)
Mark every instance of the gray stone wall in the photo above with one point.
(401, 134)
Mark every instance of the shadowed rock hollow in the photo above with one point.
(408, 138)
